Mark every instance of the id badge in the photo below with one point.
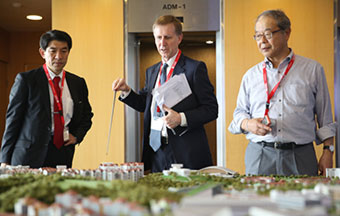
(266, 120)
(66, 135)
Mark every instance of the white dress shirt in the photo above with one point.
(66, 100)
(155, 123)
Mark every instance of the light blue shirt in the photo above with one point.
(300, 103)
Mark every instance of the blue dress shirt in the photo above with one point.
(300, 109)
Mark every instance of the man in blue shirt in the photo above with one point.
(280, 103)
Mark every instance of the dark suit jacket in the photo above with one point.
(28, 119)
(191, 148)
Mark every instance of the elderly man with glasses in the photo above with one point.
(283, 106)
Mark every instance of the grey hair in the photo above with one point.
(281, 18)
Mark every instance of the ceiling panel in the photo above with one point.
(14, 18)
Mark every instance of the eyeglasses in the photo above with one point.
(267, 34)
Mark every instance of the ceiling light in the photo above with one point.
(16, 4)
(209, 42)
(34, 17)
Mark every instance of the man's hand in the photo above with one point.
(326, 159)
(120, 85)
(172, 119)
(3, 165)
(255, 126)
(72, 140)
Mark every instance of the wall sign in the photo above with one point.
(196, 15)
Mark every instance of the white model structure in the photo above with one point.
(211, 170)
(177, 168)
(333, 172)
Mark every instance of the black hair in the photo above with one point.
(58, 35)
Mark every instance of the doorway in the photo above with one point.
(140, 53)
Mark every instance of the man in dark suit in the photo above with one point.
(179, 136)
(48, 112)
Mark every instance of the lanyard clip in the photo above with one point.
(60, 112)
(267, 105)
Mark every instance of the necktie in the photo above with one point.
(155, 135)
(163, 73)
(157, 113)
(58, 137)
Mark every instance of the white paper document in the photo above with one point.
(172, 92)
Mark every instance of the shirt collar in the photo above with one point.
(171, 60)
(52, 75)
(287, 59)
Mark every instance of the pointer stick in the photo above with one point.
(112, 111)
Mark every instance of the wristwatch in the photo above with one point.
(329, 147)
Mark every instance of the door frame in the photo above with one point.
(337, 77)
(131, 67)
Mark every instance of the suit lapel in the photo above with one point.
(72, 86)
(45, 92)
(154, 75)
(180, 66)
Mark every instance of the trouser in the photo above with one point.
(62, 156)
(266, 160)
(163, 157)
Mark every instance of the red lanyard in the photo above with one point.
(57, 101)
(269, 96)
(171, 70)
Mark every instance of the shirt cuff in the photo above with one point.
(123, 94)
(184, 122)
(239, 125)
(235, 125)
(326, 132)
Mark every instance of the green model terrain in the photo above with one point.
(151, 187)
